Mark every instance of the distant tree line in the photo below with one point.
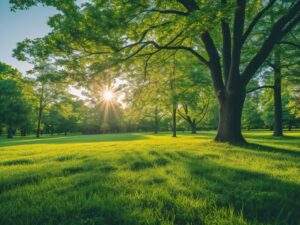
(39, 105)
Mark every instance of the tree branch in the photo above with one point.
(238, 27)
(256, 19)
(190, 5)
(226, 51)
(167, 47)
(279, 29)
(214, 64)
(144, 44)
(203, 111)
(289, 43)
(260, 87)
(169, 11)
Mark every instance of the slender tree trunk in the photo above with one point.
(38, 131)
(277, 97)
(40, 112)
(156, 121)
(10, 132)
(173, 96)
(174, 120)
(230, 114)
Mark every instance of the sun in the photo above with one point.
(108, 95)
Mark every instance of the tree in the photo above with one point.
(193, 92)
(112, 31)
(283, 62)
(49, 87)
(14, 108)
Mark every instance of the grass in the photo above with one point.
(134, 179)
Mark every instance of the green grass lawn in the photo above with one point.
(130, 179)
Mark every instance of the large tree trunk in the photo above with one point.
(230, 114)
(194, 128)
(277, 97)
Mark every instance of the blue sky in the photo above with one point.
(16, 26)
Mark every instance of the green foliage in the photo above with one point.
(289, 112)
(252, 112)
(15, 105)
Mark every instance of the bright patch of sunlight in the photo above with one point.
(108, 95)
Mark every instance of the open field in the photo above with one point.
(150, 179)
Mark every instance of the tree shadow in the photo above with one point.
(73, 139)
(269, 136)
(115, 191)
(260, 197)
(269, 149)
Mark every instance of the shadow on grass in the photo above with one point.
(261, 198)
(270, 137)
(269, 149)
(72, 139)
(129, 191)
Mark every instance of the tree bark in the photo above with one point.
(194, 128)
(174, 97)
(278, 108)
(230, 114)
(174, 120)
(40, 112)
(156, 121)
(277, 97)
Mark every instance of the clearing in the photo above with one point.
(150, 179)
